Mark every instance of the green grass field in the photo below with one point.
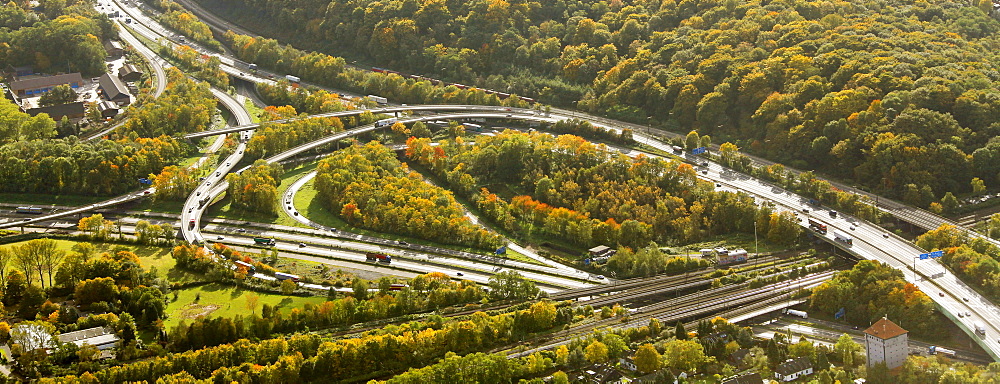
(217, 300)
(253, 110)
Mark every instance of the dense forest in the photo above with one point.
(367, 186)
(888, 93)
(56, 36)
(587, 195)
(872, 290)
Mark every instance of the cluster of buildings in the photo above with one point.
(109, 93)
(102, 338)
(885, 342)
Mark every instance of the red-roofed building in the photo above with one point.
(886, 342)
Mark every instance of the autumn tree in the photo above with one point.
(647, 359)
(596, 352)
(96, 226)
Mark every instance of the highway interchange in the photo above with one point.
(870, 241)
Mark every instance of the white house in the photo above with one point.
(793, 369)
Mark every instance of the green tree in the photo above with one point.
(978, 186)
(847, 350)
(692, 141)
(60, 94)
(685, 355)
(288, 287)
(679, 332)
(949, 202)
(509, 285)
(360, 287)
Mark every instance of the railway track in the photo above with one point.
(696, 307)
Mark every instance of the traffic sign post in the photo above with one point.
(699, 150)
(925, 256)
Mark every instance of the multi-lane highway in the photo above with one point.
(870, 241)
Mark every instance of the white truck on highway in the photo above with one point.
(980, 328)
(293, 79)
(846, 239)
(795, 312)
(378, 99)
(386, 122)
(934, 350)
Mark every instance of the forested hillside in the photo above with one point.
(897, 95)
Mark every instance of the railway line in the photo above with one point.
(693, 308)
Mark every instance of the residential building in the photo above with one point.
(114, 89)
(628, 363)
(793, 369)
(39, 85)
(100, 337)
(108, 109)
(12, 72)
(128, 73)
(750, 378)
(886, 342)
(601, 251)
(114, 48)
(74, 111)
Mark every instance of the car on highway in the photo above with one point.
(228, 163)
(941, 294)
(241, 230)
(27, 219)
(302, 245)
(833, 214)
(190, 209)
(966, 299)
(852, 227)
(704, 172)
(219, 238)
(402, 243)
(885, 235)
(961, 315)
(460, 274)
(198, 194)
(805, 210)
(145, 192)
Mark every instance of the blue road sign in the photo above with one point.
(145, 181)
(840, 313)
(502, 250)
(699, 150)
(931, 255)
